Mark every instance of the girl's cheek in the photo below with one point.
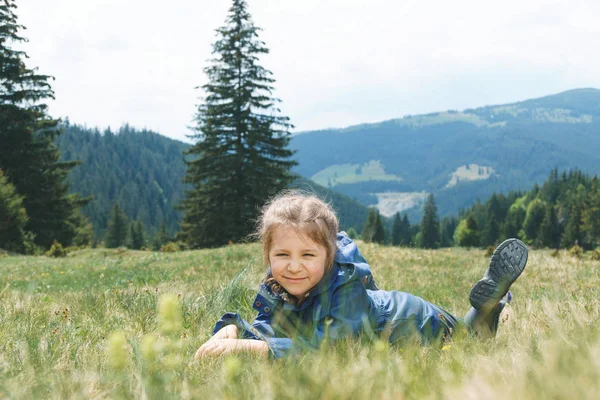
(277, 265)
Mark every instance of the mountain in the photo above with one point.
(142, 171)
(459, 156)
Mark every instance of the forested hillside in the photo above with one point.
(563, 212)
(142, 171)
(138, 169)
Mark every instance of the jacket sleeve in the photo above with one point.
(347, 316)
(260, 329)
(245, 330)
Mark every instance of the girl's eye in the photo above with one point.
(280, 255)
(309, 255)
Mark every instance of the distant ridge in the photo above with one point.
(512, 146)
(565, 99)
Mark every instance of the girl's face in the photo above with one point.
(297, 263)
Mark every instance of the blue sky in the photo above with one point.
(337, 62)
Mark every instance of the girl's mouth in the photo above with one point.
(295, 279)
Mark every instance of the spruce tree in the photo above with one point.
(241, 156)
(116, 232)
(549, 234)
(136, 235)
(28, 156)
(396, 237)
(447, 228)
(514, 221)
(491, 230)
(379, 234)
(551, 188)
(591, 215)
(370, 225)
(162, 237)
(140, 239)
(131, 235)
(406, 235)
(430, 225)
(12, 218)
(572, 233)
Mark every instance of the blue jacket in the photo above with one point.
(346, 302)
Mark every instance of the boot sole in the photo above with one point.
(507, 263)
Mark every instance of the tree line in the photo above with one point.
(562, 212)
(430, 233)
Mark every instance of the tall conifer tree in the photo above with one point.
(162, 237)
(430, 225)
(12, 218)
(549, 233)
(447, 229)
(406, 235)
(591, 215)
(396, 236)
(27, 155)
(379, 234)
(241, 156)
(491, 230)
(116, 232)
(136, 235)
(572, 233)
(514, 221)
(370, 226)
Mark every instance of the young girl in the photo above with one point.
(318, 285)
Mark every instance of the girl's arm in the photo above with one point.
(220, 347)
(226, 341)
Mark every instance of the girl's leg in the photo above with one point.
(490, 294)
(485, 324)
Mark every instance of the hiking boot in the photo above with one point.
(507, 263)
(485, 324)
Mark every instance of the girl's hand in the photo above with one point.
(221, 347)
(217, 347)
(227, 332)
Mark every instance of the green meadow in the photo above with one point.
(126, 324)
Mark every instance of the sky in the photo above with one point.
(336, 62)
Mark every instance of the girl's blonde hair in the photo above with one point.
(307, 214)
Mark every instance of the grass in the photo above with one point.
(88, 326)
(353, 173)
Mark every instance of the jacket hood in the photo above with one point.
(348, 256)
(349, 265)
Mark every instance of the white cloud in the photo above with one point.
(337, 62)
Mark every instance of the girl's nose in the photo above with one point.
(294, 266)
